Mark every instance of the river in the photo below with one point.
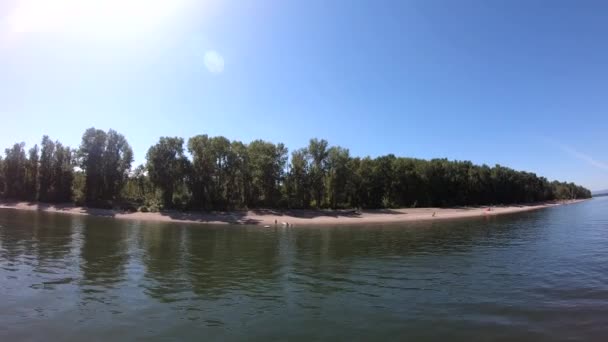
(533, 276)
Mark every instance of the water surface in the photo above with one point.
(533, 276)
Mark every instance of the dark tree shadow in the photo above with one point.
(462, 207)
(385, 211)
(101, 212)
(233, 217)
(239, 217)
(61, 208)
(306, 213)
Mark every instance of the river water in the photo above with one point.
(534, 276)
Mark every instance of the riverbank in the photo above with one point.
(291, 217)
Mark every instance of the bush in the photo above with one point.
(128, 206)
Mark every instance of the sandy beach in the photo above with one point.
(291, 217)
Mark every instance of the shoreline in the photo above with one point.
(294, 217)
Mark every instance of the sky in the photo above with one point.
(516, 83)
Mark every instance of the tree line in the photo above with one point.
(214, 173)
(94, 174)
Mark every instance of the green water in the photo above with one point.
(534, 276)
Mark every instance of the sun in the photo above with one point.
(101, 18)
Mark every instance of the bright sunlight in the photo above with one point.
(98, 18)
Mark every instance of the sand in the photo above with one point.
(292, 217)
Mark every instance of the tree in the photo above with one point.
(338, 173)
(55, 172)
(138, 188)
(240, 178)
(90, 157)
(106, 160)
(166, 166)
(45, 171)
(117, 159)
(408, 187)
(203, 169)
(298, 182)
(62, 174)
(370, 192)
(31, 174)
(226, 174)
(383, 176)
(317, 150)
(267, 165)
(220, 153)
(15, 172)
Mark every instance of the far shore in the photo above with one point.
(294, 217)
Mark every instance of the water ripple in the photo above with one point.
(535, 276)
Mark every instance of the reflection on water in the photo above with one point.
(538, 275)
(164, 263)
(104, 254)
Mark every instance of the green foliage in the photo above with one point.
(167, 169)
(31, 174)
(15, 164)
(224, 175)
(106, 160)
(45, 169)
(90, 156)
(117, 158)
(62, 174)
(297, 183)
(78, 188)
(47, 177)
(55, 172)
(266, 168)
(317, 152)
(337, 176)
(203, 165)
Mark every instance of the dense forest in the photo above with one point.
(214, 173)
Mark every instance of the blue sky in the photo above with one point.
(519, 83)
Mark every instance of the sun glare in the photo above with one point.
(102, 18)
